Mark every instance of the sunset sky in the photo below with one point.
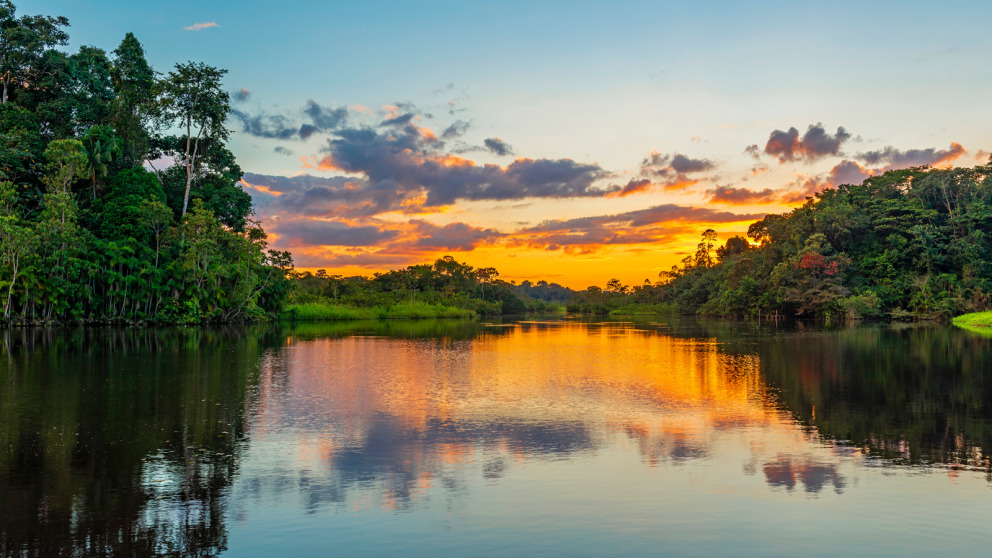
(567, 141)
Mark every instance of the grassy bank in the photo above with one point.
(318, 311)
(980, 322)
(640, 308)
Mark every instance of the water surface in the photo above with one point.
(538, 438)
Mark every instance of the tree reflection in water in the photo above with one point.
(121, 441)
(137, 441)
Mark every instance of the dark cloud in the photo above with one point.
(684, 165)
(672, 171)
(454, 236)
(741, 196)
(324, 119)
(307, 195)
(754, 151)
(498, 146)
(814, 144)
(848, 172)
(895, 159)
(281, 150)
(456, 129)
(409, 162)
(635, 187)
(399, 120)
(315, 232)
(379, 237)
(241, 95)
(279, 126)
(273, 126)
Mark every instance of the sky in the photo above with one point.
(572, 142)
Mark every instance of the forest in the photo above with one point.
(904, 245)
(90, 230)
(907, 244)
(120, 203)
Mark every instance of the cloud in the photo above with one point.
(201, 26)
(654, 225)
(325, 242)
(322, 119)
(672, 171)
(845, 172)
(634, 187)
(316, 232)
(498, 146)
(455, 130)
(283, 127)
(897, 159)
(272, 126)
(816, 143)
(742, 196)
(281, 150)
(241, 95)
(451, 237)
(409, 161)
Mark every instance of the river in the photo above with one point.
(561, 438)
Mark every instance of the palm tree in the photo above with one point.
(101, 148)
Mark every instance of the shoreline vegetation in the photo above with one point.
(91, 231)
(978, 322)
(88, 234)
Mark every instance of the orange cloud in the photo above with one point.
(262, 189)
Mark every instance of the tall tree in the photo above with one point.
(133, 104)
(193, 98)
(23, 41)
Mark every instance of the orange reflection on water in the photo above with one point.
(408, 411)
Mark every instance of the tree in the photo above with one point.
(485, 275)
(22, 43)
(100, 146)
(133, 104)
(192, 97)
(704, 251)
(92, 87)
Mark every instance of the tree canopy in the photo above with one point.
(87, 234)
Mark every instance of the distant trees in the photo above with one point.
(446, 281)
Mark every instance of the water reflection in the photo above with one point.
(121, 441)
(158, 442)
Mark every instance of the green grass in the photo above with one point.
(318, 311)
(640, 308)
(979, 322)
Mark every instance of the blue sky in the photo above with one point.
(597, 83)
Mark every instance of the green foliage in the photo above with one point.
(444, 289)
(912, 243)
(86, 234)
(193, 98)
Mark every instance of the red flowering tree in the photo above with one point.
(813, 279)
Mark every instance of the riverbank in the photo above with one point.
(317, 311)
(979, 322)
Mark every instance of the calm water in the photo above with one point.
(451, 438)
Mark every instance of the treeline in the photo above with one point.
(87, 234)
(907, 244)
(446, 283)
(911, 243)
